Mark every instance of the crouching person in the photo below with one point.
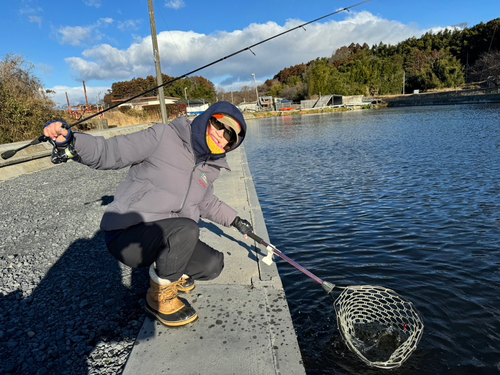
(153, 220)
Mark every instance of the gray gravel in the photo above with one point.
(66, 305)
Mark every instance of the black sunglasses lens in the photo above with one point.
(229, 135)
(217, 124)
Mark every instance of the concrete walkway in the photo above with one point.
(244, 324)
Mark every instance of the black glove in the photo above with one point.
(242, 225)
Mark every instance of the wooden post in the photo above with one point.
(85, 90)
(67, 99)
(159, 78)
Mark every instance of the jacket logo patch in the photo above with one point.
(203, 180)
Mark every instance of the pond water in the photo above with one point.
(404, 198)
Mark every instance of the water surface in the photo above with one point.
(404, 198)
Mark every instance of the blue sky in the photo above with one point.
(106, 41)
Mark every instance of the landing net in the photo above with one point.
(379, 326)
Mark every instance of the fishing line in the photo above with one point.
(170, 33)
(10, 153)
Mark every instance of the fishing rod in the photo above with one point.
(10, 153)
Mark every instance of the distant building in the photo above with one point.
(266, 103)
(281, 104)
(196, 107)
(248, 106)
(140, 103)
(332, 101)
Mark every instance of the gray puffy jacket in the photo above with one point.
(164, 180)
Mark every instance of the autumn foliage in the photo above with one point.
(24, 105)
(449, 58)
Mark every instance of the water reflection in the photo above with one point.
(403, 198)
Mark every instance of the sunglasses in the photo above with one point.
(229, 133)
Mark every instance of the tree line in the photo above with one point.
(195, 87)
(450, 58)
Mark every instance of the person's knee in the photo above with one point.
(214, 267)
(191, 228)
(187, 230)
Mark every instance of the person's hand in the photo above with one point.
(57, 131)
(242, 225)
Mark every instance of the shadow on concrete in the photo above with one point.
(216, 230)
(105, 200)
(82, 304)
(79, 315)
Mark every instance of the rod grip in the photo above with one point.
(256, 238)
(8, 154)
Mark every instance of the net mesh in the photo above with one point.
(379, 326)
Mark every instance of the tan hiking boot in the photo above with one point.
(163, 304)
(186, 284)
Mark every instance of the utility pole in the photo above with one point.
(159, 77)
(69, 106)
(404, 83)
(85, 91)
(256, 91)
(186, 96)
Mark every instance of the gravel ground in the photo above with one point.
(66, 305)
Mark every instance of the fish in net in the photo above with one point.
(378, 325)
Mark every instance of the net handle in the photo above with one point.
(328, 287)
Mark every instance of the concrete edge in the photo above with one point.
(269, 275)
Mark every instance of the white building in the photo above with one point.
(142, 102)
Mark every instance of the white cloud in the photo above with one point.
(78, 35)
(33, 14)
(136, 38)
(105, 20)
(92, 3)
(182, 52)
(436, 30)
(129, 25)
(30, 10)
(36, 19)
(175, 4)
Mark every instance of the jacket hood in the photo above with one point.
(200, 124)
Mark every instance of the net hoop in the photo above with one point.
(366, 305)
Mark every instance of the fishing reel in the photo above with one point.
(61, 154)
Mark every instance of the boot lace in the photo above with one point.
(170, 291)
(182, 282)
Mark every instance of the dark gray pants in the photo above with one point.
(173, 244)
